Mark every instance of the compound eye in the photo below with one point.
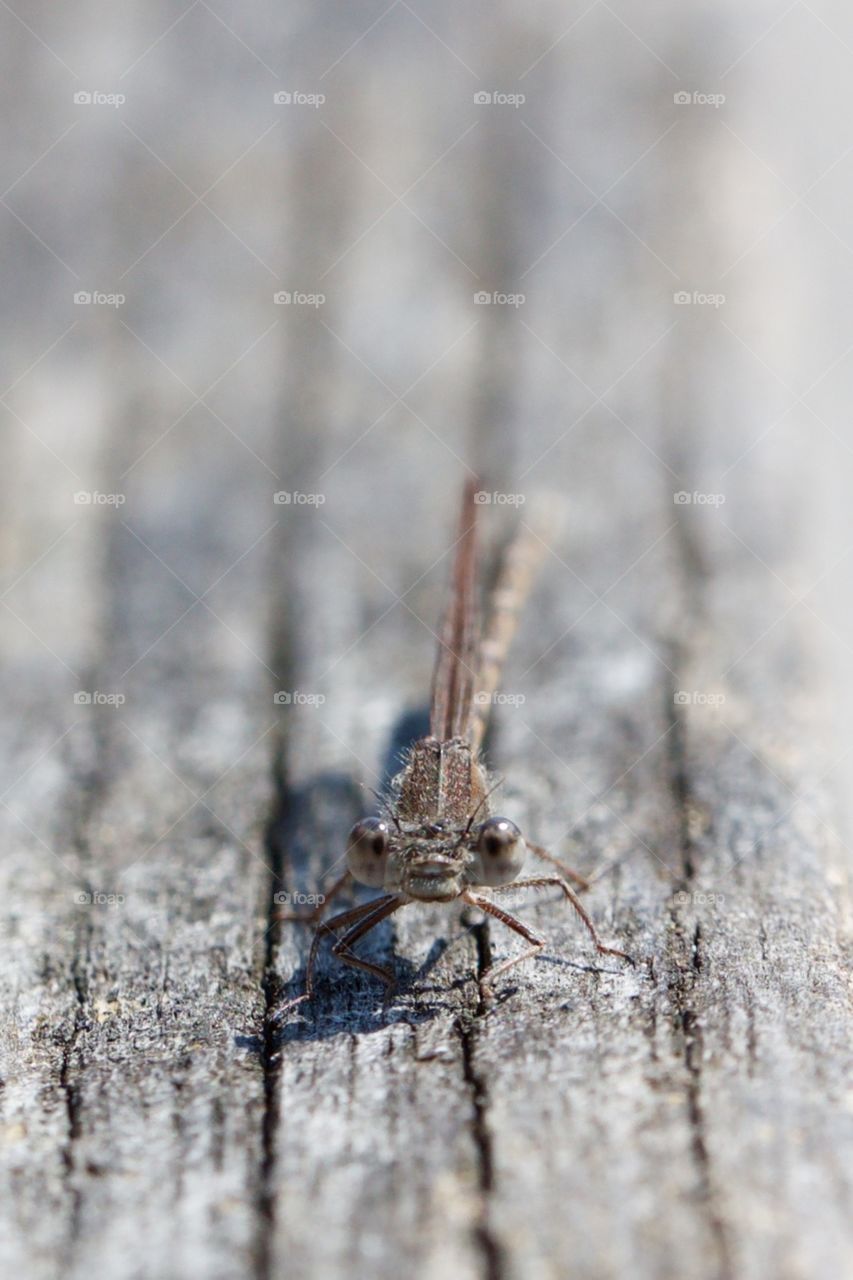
(367, 851)
(500, 851)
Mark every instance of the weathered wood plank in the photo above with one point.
(689, 1118)
(141, 984)
(595, 1099)
(137, 885)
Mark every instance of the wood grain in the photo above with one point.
(251, 606)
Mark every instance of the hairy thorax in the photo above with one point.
(437, 792)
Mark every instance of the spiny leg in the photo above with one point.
(313, 916)
(488, 976)
(574, 876)
(343, 947)
(341, 921)
(543, 882)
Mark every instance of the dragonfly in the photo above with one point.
(434, 839)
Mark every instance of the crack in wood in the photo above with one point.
(492, 1251)
(467, 1028)
(270, 1059)
(686, 970)
(73, 1105)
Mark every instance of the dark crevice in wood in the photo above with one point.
(73, 1101)
(678, 773)
(691, 1032)
(280, 658)
(180, 1129)
(491, 1250)
(270, 1060)
(467, 1028)
(296, 457)
(297, 460)
(686, 959)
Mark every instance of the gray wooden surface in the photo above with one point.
(676, 689)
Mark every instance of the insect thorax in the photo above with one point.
(440, 781)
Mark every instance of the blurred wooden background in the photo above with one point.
(655, 199)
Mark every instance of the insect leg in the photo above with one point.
(574, 876)
(544, 882)
(343, 920)
(494, 970)
(343, 947)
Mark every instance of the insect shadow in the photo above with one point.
(303, 836)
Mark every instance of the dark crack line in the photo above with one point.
(270, 1058)
(687, 973)
(491, 1250)
(73, 1104)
